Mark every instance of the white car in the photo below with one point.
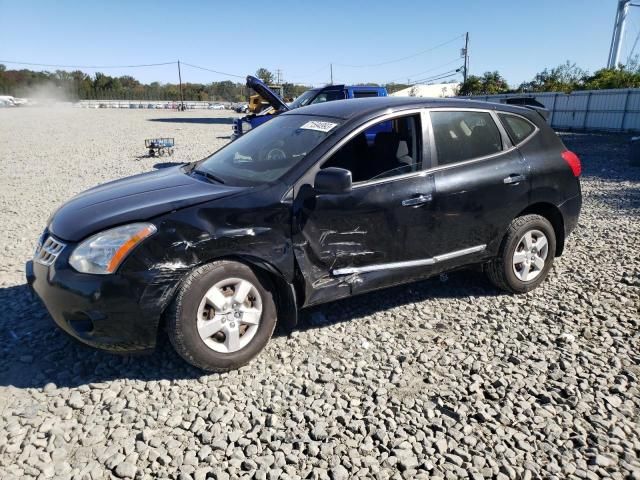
(216, 106)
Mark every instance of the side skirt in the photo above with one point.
(410, 263)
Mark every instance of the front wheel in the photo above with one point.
(222, 317)
(526, 255)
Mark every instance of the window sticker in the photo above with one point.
(318, 126)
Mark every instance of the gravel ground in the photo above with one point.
(447, 378)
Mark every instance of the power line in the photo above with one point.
(441, 76)
(119, 66)
(403, 58)
(214, 71)
(87, 66)
(455, 60)
(448, 74)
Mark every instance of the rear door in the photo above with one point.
(481, 183)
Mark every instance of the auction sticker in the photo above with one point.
(318, 126)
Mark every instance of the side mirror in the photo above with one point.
(333, 180)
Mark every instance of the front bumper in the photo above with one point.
(117, 313)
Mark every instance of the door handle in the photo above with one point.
(419, 200)
(513, 179)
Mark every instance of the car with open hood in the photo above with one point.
(276, 104)
(306, 210)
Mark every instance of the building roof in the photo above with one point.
(437, 90)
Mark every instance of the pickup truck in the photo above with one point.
(315, 95)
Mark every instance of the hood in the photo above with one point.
(132, 199)
(261, 89)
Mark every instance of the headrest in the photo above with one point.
(403, 149)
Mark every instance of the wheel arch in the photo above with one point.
(286, 296)
(554, 215)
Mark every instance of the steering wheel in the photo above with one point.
(276, 154)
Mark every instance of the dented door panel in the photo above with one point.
(368, 226)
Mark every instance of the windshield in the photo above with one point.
(303, 99)
(269, 151)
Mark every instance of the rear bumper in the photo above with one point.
(109, 312)
(570, 210)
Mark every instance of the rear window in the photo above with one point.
(518, 128)
(464, 135)
(329, 96)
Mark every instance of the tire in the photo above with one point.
(517, 268)
(191, 317)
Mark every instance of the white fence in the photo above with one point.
(139, 104)
(607, 110)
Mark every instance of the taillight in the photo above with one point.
(573, 161)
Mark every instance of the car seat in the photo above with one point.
(385, 148)
(403, 157)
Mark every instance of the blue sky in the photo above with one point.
(516, 37)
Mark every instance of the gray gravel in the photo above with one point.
(447, 378)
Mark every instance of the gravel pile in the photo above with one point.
(447, 378)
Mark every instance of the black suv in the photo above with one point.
(320, 203)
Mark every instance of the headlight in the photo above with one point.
(103, 252)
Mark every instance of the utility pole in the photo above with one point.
(278, 76)
(465, 52)
(180, 80)
(331, 69)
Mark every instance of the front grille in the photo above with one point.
(48, 250)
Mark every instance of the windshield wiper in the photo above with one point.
(208, 175)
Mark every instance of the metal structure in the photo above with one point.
(615, 110)
(618, 32)
(159, 146)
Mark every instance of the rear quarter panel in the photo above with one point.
(552, 180)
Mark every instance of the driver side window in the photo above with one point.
(387, 149)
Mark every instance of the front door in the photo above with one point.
(358, 241)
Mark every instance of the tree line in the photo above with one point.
(78, 85)
(566, 78)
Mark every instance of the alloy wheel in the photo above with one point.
(229, 315)
(530, 255)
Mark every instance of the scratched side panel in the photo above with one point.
(367, 226)
(254, 226)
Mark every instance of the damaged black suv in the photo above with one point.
(320, 203)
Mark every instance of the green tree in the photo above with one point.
(265, 75)
(291, 90)
(620, 77)
(489, 83)
(563, 78)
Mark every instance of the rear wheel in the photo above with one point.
(526, 255)
(222, 316)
